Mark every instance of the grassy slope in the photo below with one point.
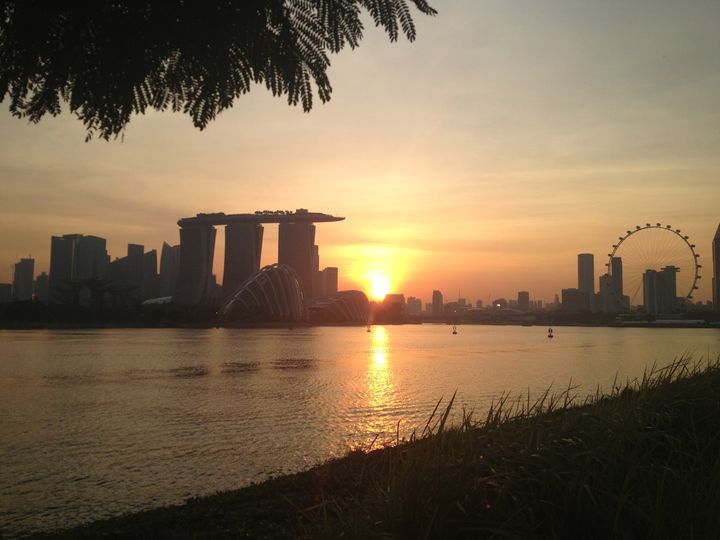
(642, 462)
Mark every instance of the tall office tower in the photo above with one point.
(243, 249)
(574, 300)
(197, 248)
(650, 283)
(5, 293)
(716, 270)
(437, 303)
(607, 297)
(75, 258)
(91, 257)
(586, 273)
(42, 283)
(22, 285)
(295, 248)
(317, 284)
(169, 268)
(330, 280)
(62, 266)
(616, 270)
(413, 306)
(660, 290)
(523, 301)
(150, 276)
(134, 269)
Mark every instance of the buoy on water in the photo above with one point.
(454, 329)
(550, 333)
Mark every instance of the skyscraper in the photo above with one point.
(660, 290)
(616, 271)
(5, 293)
(169, 268)
(42, 287)
(62, 266)
(413, 306)
(22, 285)
(523, 301)
(243, 249)
(150, 275)
(91, 257)
(437, 303)
(586, 273)
(196, 258)
(329, 280)
(716, 270)
(75, 258)
(296, 249)
(134, 270)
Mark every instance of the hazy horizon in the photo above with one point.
(481, 158)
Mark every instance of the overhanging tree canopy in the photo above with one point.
(110, 59)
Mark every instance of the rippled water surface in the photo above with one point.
(102, 422)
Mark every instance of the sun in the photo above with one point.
(379, 286)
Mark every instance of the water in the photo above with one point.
(102, 422)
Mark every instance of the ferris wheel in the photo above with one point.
(654, 247)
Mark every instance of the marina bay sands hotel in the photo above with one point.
(243, 247)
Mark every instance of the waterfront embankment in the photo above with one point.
(640, 461)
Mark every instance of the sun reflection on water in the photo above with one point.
(380, 386)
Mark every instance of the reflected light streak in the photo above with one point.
(379, 380)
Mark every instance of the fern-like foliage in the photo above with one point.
(110, 59)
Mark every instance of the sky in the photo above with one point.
(478, 160)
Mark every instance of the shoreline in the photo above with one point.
(611, 465)
(108, 326)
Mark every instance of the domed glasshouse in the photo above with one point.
(273, 294)
(344, 307)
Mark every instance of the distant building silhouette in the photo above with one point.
(196, 259)
(5, 293)
(586, 272)
(616, 270)
(716, 270)
(243, 250)
(329, 281)
(317, 286)
(75, 258)
(610, 297)
(413, 306)
(169, 268)
(437, 303)
(42, 287)
(134, 270)
(150, 275)
(523, 301)
(660, 290)
(22, 285)
(296, 248)
(133, 278)
(575, 300)
(395, 300)
(500, 303)
(243, 238)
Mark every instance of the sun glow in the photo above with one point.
(379, 286)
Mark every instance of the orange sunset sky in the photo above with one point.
(480, 159)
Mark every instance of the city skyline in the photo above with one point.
(245, 259)
(482, 157)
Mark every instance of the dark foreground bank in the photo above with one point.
(643, 462)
